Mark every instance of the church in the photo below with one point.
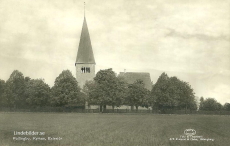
(85, 63)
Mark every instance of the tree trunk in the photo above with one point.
(100, 108)
(86, 105)
(131, 107)
(104, 108)
(136, 108)
(113, 108)
(186, 109)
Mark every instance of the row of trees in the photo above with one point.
(20, 92)
(168, 93)
(108, 89)
(210, 104)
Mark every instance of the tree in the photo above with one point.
(210, 104)
(137, 94)
(87, 91)
(159, 93)
(15, 89)
(201, 103)
(37, 93)
(183, 94)
(2, 90)
(119, 92)
(170, 93)
(66, 90)
(227, 106)
(108, 89)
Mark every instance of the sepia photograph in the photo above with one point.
(114, 72)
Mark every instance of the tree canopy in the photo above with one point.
(209, 104)
(108, 89)
(170, 93)
(137, 94)
(15, 90)
(37, 92)
(2, 90)
(227, 106)
(66, 90)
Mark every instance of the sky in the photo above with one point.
(187, 39)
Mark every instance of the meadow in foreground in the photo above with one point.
(76, 129)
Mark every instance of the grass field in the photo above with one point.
(77, 129)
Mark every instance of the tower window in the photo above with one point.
(85, 69)
(82, 69)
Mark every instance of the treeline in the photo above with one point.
(210, 104)
(107, 89)
(23, 92)
(167, 94)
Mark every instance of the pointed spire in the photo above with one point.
(84, 9)
(85, 51)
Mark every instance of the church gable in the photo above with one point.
(131, 77)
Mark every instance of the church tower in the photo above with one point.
(85, 62)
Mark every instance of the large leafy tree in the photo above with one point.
(87, 90)
(182, 94)
(210, 104)
(227, 106)
(159, 93)
(66, 90)
(108, 89)
(37, 93)
(15, 90)
(170, 93)
(119, 92)
(137, 94)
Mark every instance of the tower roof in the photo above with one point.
(85, 51)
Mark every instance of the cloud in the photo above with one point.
(174, 33)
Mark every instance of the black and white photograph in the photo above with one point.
(114, 72)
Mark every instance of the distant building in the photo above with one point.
(85, 62)
(131, 77)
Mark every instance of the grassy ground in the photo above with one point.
(77, 129)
